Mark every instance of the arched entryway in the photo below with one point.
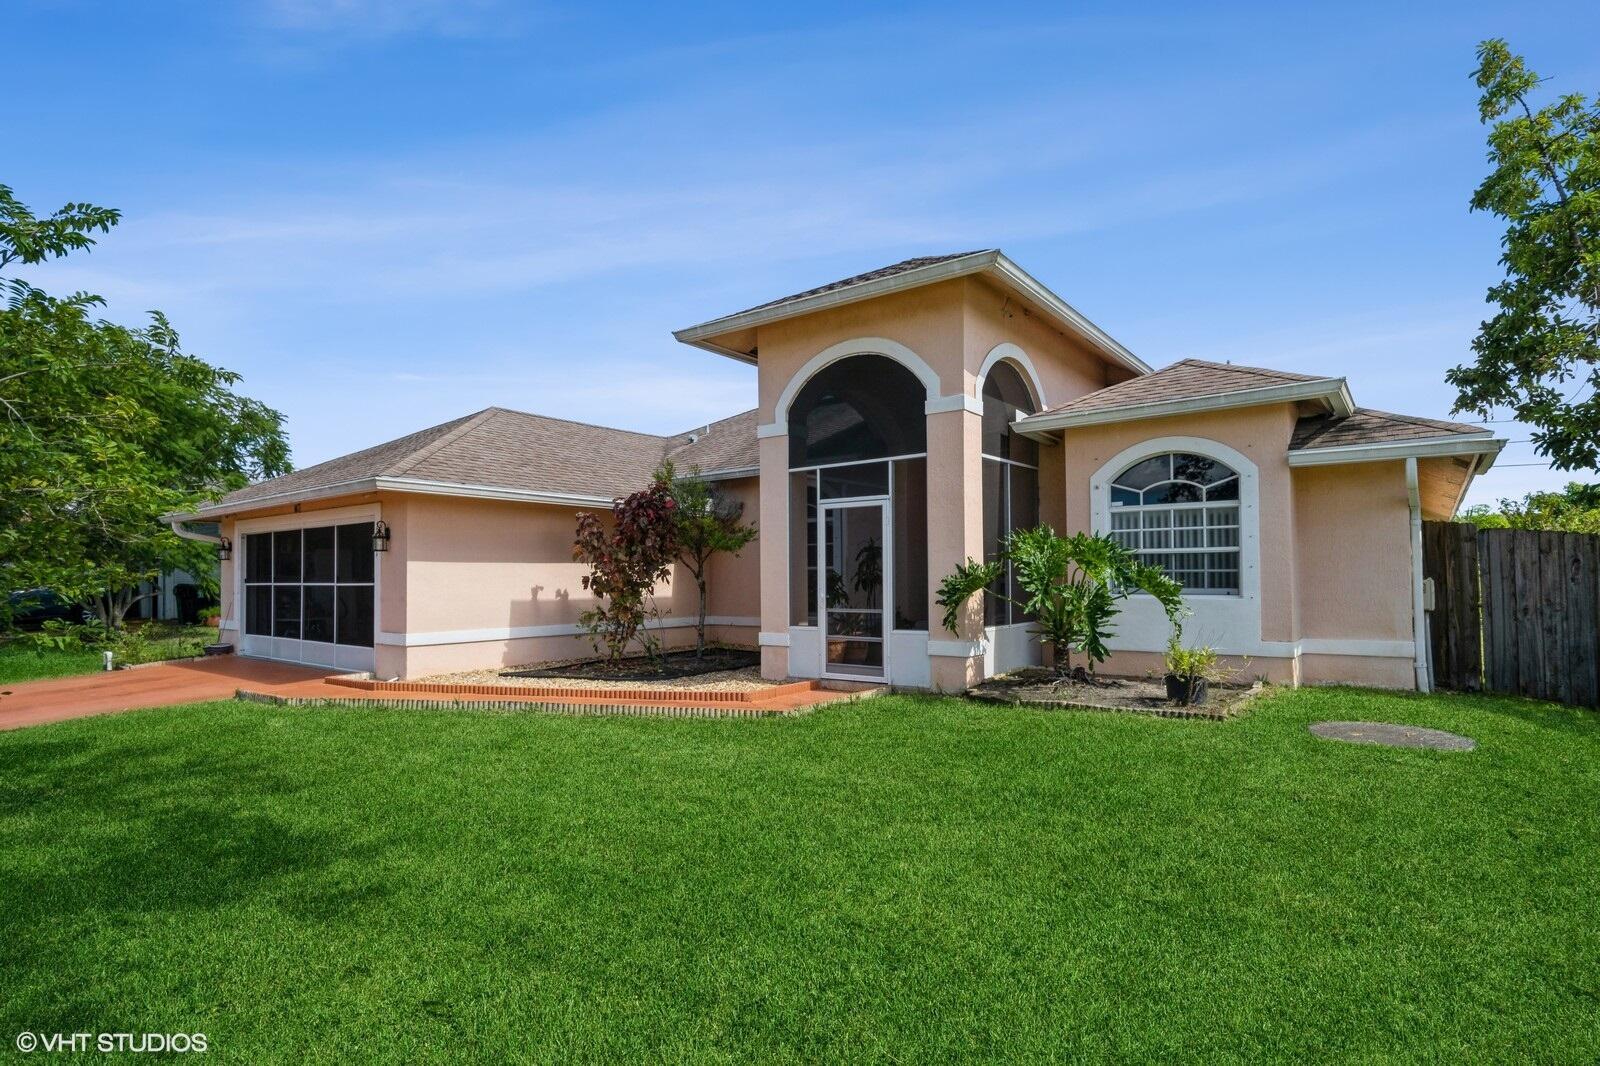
(858, 511)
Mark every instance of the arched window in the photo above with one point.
(860, 408)
(1180, 511)
(1010, 479)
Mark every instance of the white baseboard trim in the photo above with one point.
(569, 629)
(773, 640)
(1285, 649)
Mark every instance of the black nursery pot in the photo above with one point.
(227, 649)
(1187, 690)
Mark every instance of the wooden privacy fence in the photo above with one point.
(1515, 611)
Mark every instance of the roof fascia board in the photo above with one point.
(732, 473)
(1424, 448)
(424, 487)
(1332, 391)
(276, 499)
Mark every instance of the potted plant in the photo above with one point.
(1190, 671)
(214, 618)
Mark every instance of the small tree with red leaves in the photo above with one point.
(625, 564)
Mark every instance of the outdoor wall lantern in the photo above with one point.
(380, 537)
(224, 549)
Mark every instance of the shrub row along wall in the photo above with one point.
(1515, 611)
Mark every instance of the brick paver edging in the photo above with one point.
(542, 692)
(547, 706)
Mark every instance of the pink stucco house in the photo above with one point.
(906, 418)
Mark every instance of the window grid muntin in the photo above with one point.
(1198, 542)
(351, 592)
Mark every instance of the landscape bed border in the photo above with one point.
(578, 707)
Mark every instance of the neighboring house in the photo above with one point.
(907, 419)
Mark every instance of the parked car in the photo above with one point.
(32, 608)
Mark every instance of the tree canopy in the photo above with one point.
(1575, 509)
(104, 428)
(1539, 355)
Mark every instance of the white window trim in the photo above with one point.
(1231, 624)
(1005, 351)
(779, 426)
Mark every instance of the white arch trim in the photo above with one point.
(1006, 351)
(1231, 624)
(779, 426)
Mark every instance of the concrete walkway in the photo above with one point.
(58, 699)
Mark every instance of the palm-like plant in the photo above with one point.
(1071, 587)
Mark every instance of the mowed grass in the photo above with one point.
(22, 661)
(902, 879)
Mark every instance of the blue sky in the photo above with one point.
(387, 214)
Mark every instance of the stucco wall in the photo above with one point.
(487, 565)
(1066, 367)
(1354, 544)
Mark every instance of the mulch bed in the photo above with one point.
(1035, 687)
(639, 668)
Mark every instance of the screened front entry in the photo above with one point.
(309, 595)
(858, 515)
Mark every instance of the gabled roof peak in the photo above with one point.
(734, 335)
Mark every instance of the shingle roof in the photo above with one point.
(1366, 426)
(1185, 380)
(872, 275)
(517, 450)
(730, 444)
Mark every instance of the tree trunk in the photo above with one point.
(700, 622)
(113, 607)
(1062, 654)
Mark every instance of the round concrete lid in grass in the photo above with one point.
(1392, 735)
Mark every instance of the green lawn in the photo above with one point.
(903, 879)
(20, 661)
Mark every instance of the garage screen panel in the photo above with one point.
(313, 585)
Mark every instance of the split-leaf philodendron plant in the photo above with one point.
(1071, 587)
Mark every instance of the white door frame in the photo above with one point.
(884, 505)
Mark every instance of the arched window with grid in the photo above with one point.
(1180, 511)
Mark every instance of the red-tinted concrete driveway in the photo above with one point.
(57, 699)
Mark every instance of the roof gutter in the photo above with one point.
(1419, 614)
(1335, 392)
(1486, 447)
(992, 261)
(178, 527)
